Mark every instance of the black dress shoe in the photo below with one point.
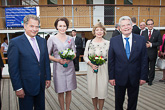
(149, 83)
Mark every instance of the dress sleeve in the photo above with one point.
(86, 52)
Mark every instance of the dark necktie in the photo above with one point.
(149, 36)
(127, 47)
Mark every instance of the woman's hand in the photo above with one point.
(62, 61)
(162, 54)
(67, 61)
(94, 67)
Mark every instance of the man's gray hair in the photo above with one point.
(28, 17)
(125, 18)
(116, 25)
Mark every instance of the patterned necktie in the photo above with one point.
(149, 36)
(35, 49)
(127, 47)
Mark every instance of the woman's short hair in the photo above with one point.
(28, 17)
(100, 25)
(61, 19)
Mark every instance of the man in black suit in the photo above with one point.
(78, 45)
(116, 31)
(154, 40)
(84, 40)
(127, 64)
(135, 29)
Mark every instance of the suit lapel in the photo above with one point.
(76, 40)
(133, 46)
(152, 35)
(146, 35)
(28, 46)
(122, 46)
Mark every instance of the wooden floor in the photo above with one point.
(150, 97)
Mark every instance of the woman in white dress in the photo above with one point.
(97, 82)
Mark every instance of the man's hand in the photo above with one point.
(20, 93)
(47, 83)
(148, 44)
(142, 82)
(112, 82)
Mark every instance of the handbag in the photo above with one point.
(161, 63)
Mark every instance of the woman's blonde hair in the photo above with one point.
(100, 25)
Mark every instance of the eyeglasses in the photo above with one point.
(149, 24)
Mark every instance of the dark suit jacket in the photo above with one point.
(24, 69)
(136, 30)
(120, 68)
(115, 33)
(156, 41)
(79, 46)
(1, 65)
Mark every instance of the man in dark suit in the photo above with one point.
(135, 29)
(1, 66)
(127, 64)
(29, 66)
(84, 40)
(116, 31)
(78, 45)
(154, 40)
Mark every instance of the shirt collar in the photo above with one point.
(130, 36)
(28, 37)
(151, 30)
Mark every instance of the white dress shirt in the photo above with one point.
(149, 31)
(74, 40)
(151, 34)
(129, 40)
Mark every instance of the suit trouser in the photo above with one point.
(0, 95)
(28, 102)
(76, 63)
(151, 74)
(132, 92)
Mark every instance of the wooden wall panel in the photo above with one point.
(81, 16)
(48, 15)
(163, 2)
(126, 11)
(162, 18)
(42, 2)
(2, 19)
(120, 2)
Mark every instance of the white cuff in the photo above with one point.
(19, 89)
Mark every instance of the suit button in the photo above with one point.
(39, 74)
(39, 64)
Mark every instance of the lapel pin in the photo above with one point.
(134, 41)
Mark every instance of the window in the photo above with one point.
(109, 12)
(52, 1)
(128, 2)
(89, 1)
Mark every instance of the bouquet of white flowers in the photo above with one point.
(67, 54)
